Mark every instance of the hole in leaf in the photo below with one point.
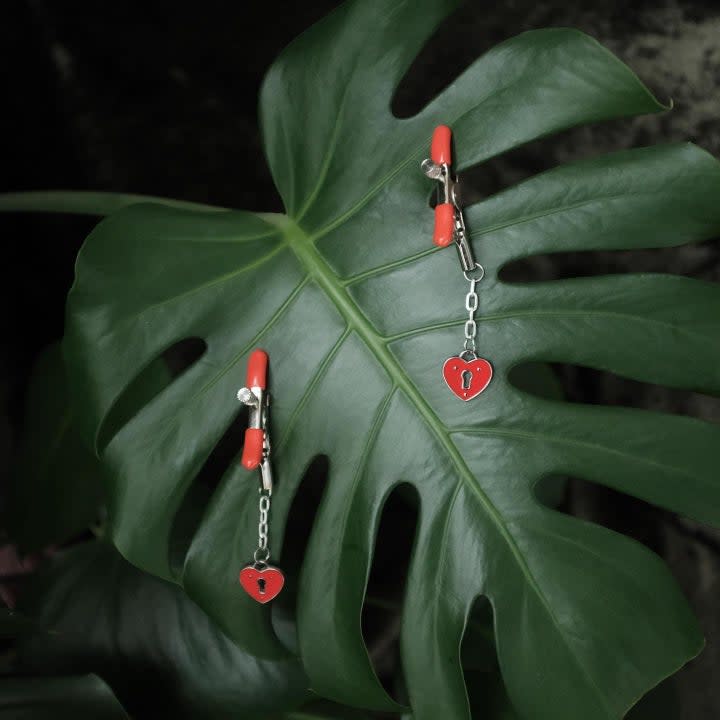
(536, 379)
(488, 696)
(552, 490)
(193, 506)
(699, 260)
(477, 649)
(299, 525)
(581, 384)
(498, 173)
(385, 591)
(510, 168)
(300, 519)
(184, 354)
(439, 62)
(149, 383)
(611, 509)
(485, 688)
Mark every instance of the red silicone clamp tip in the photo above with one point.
(253, 448)
(444, 224)
(257, 369)
(440, 146)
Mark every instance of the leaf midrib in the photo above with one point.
(319, 270)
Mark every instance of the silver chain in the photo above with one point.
(471, 305)
(473, 274)
(262, 554)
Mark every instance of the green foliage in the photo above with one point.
(57, 488)
(158, 651)
(358, 314)
(68, 698)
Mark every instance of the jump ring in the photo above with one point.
(479, 269)
(261, 560)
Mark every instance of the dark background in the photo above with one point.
(160, 98)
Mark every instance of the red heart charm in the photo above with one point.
(262, 585)
(467, 379)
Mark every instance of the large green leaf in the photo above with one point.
(358, 314)
(159, 652)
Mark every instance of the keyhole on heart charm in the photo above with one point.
(466, 379)
(261, 586)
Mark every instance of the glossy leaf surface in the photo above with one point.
(358, 313)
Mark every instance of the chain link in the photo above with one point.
(471, 305)
(262, 554)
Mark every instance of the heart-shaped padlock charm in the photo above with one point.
(262, 583)
(467, 378)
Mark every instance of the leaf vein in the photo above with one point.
(327, 160)
(317, 266)
(319, 375)
(578, 443)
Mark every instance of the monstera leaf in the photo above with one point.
(358, 313)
